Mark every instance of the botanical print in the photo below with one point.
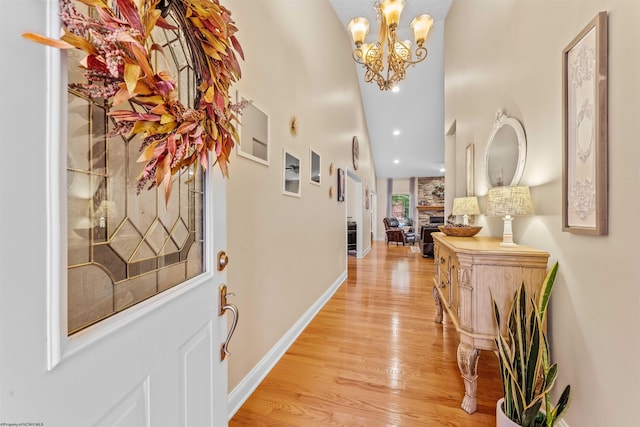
(581, 162)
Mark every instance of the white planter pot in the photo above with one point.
(501, 419)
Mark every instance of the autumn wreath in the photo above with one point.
(118, 67)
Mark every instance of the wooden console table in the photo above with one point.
(468, 272)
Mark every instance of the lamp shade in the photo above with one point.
(421, 25)
(359, 28)
(465, 206)
(391, 9)
(514, 201)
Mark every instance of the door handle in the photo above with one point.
(224, 306)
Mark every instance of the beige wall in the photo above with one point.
(285, 252)
(507, 54)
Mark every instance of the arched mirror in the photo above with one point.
(506, 152)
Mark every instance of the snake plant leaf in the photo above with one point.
(545, 292)
(563, 403)
(530, 415)
(533, 359)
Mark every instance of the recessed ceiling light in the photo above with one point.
(396, 132)
(441, 169)
(395, 89)
(396, 161)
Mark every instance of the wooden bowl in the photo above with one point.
(469, 231)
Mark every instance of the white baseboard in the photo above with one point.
(250, 382)
(364, 252)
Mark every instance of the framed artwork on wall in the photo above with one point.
(584, 108)
(290, 174)
(470, 170)
(341, 185)
(314, 170)
(253, 131)
(366, 197)
(355, 152)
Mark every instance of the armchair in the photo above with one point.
(397, 234)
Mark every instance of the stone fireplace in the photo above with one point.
(430, 202)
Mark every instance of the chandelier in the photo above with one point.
(388, 49)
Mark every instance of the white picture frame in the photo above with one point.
(291, 168)
(253, 131)
(315, 166)
(585, 130)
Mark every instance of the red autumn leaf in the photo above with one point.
(171, 144)
(130, 12)
(220, 101)
(162, 23)
(236, 46)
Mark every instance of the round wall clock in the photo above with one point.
(355, 151)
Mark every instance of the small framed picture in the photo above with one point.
(470, 170)
(314, 170)
(584, 109)
(253, 130)
(341, 185)
(290, 174)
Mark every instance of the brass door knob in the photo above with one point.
(223, 260)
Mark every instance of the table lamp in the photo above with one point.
(465, 206)
(508, 202)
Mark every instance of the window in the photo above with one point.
(400, 206)
(122, 247)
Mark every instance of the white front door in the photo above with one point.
(156, 363)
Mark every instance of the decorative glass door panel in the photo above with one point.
(125, 247)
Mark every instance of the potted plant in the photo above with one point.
(527, 373)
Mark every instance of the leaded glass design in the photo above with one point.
(122, 247)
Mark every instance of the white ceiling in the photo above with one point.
(417, 110)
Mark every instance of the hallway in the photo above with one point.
(373, 356)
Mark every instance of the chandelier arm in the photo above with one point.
(358, 56)
(421, 54)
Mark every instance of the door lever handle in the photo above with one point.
(224, 350)
(224, 306)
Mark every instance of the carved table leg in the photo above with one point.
(468, 364)
(436, 298)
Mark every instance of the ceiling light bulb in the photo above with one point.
(396, 132)
(396, 161)
(441, 169)
(395, 89)
(421, 25)
(391, 9)
(359, 28)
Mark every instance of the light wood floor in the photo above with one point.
(373, 356)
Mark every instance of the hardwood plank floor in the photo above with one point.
(373, 356)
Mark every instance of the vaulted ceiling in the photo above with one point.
(417, 110)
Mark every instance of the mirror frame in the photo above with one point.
(504, 120)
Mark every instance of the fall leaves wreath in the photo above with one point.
(118, 68)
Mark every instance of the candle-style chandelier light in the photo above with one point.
(387, 60)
